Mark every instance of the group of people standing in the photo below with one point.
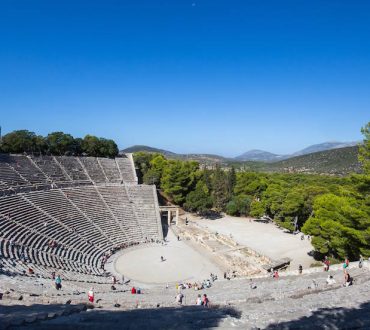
(348, 279)
(200, 301)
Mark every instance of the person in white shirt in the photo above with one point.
(179, 298)
(90, 295)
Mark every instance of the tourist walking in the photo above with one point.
(58, 282)
(345, 265)
(360, 262)
(326, 264)
(179, 298)
(90, 295)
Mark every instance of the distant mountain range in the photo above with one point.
(259, 156)
(251, 155)
(265, 156)
(325, 146)
(337, 160)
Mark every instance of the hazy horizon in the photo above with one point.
(235, 155)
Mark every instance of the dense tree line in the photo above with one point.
(335, 211)
(57, 143)
(340, 221)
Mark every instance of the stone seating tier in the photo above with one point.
(110, 169)
(22, 170)
(24, 167)
(83, 205)
(73, 168)
(49, 166)
(84, 221)
(126, 168)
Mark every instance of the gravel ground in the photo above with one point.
(266, 239)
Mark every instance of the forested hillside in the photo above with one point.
(336, 161)
(335, 210)
(341, 161)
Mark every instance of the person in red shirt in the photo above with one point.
(326, 264)
(133, 290)
(90, 295)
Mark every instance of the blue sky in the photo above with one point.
(208, 76)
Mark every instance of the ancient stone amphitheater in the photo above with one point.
(64, 214)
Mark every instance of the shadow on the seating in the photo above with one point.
(330, 318)
(186, 317)
(15, 315)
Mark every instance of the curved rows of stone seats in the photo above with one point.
(9, 177)
(22, 170)
(126, 167)
(49, 166)
(24, 167)
(73, 168)
(94, 169)
(85, 222)
(65, 213)
(23, 257)
(118, 202)
(90, 202)
(144, 200)
(24, 225)
(110, 170)
(70, 271)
